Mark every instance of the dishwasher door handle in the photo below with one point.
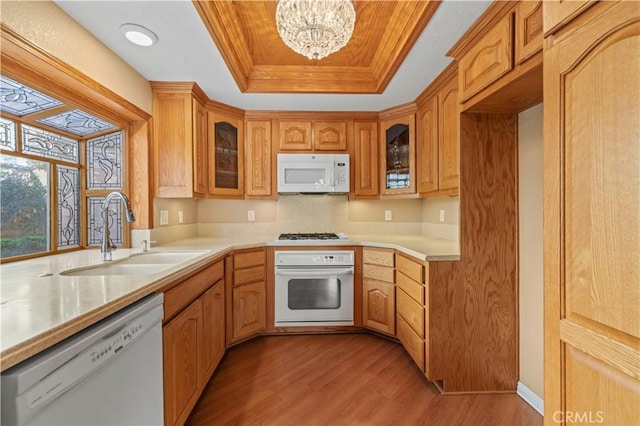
(303, 273)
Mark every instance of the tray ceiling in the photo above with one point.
(246, 35)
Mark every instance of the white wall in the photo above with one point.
(50, 28)
(531, 250)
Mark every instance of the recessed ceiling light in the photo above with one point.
(137, 34)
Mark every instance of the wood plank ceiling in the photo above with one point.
(246, 35)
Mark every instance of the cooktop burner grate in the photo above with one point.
(309, 236)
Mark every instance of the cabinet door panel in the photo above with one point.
(397, 156)
(295, 136)
(329, 136)
(591, 221)
(487, 60)
(366, 161)
(449, 137)
(181, 339)
(259, 158)
(427, 146)
(226, 155)
(379, 306)
(249, 310)
(528, 30)
(213, 341)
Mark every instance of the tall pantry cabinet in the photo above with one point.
(591, 213)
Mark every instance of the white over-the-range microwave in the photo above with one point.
(313, 173)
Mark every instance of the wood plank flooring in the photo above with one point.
(342, 379)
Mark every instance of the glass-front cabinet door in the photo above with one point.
(398, 155)
(226, 155)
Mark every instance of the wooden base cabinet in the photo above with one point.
(378, 293)
(410, 307)
(247, 299)
(193, 340)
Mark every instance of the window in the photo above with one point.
(55, 171)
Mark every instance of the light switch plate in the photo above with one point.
(388, 215)
(441, 215)
(180, 216)
(164, 217)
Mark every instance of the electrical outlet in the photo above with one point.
(441, 215)
(180, 216)
(164, 217)
(251, 215)
(388, 215)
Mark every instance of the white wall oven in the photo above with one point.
(314, 288)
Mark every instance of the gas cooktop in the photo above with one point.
(309, 236)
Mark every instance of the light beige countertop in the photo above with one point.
(39, 307)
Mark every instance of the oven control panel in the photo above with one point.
(314, 258)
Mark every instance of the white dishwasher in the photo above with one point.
(107, 374)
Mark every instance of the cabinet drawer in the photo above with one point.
(249, 258)
(413, 344)
(412, 288)
(380, 273)
(248, 275)
(378, 257)
(487, 60)
(411, 269)
(190, 289)
(411, 311)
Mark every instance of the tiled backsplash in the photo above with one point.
(306, 213)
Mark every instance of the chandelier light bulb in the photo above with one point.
(315, 28)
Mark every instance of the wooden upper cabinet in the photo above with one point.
(226, 154)
(427, 146)
(295, 136)
(366, 159)
(313, 135)
(591, 223)
(259, 159)
(489, 59)
(329, 135)
(179, 139)
(438, 142)
(558, 13)
(397, 155)
(528, 36)
(448, 137)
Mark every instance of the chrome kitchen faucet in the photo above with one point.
(107, 246)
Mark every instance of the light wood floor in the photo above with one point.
(347, 379)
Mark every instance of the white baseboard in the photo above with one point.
(530, 398)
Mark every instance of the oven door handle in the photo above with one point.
(314, 273)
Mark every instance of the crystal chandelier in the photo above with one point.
(315, 28)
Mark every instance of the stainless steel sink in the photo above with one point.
(138, 264)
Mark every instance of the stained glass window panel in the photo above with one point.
(104, 162)
(77, 122)
(96, 220)
(68, 207)
(20, 100)
(46, 144)
(24, 218)
(7, 134)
